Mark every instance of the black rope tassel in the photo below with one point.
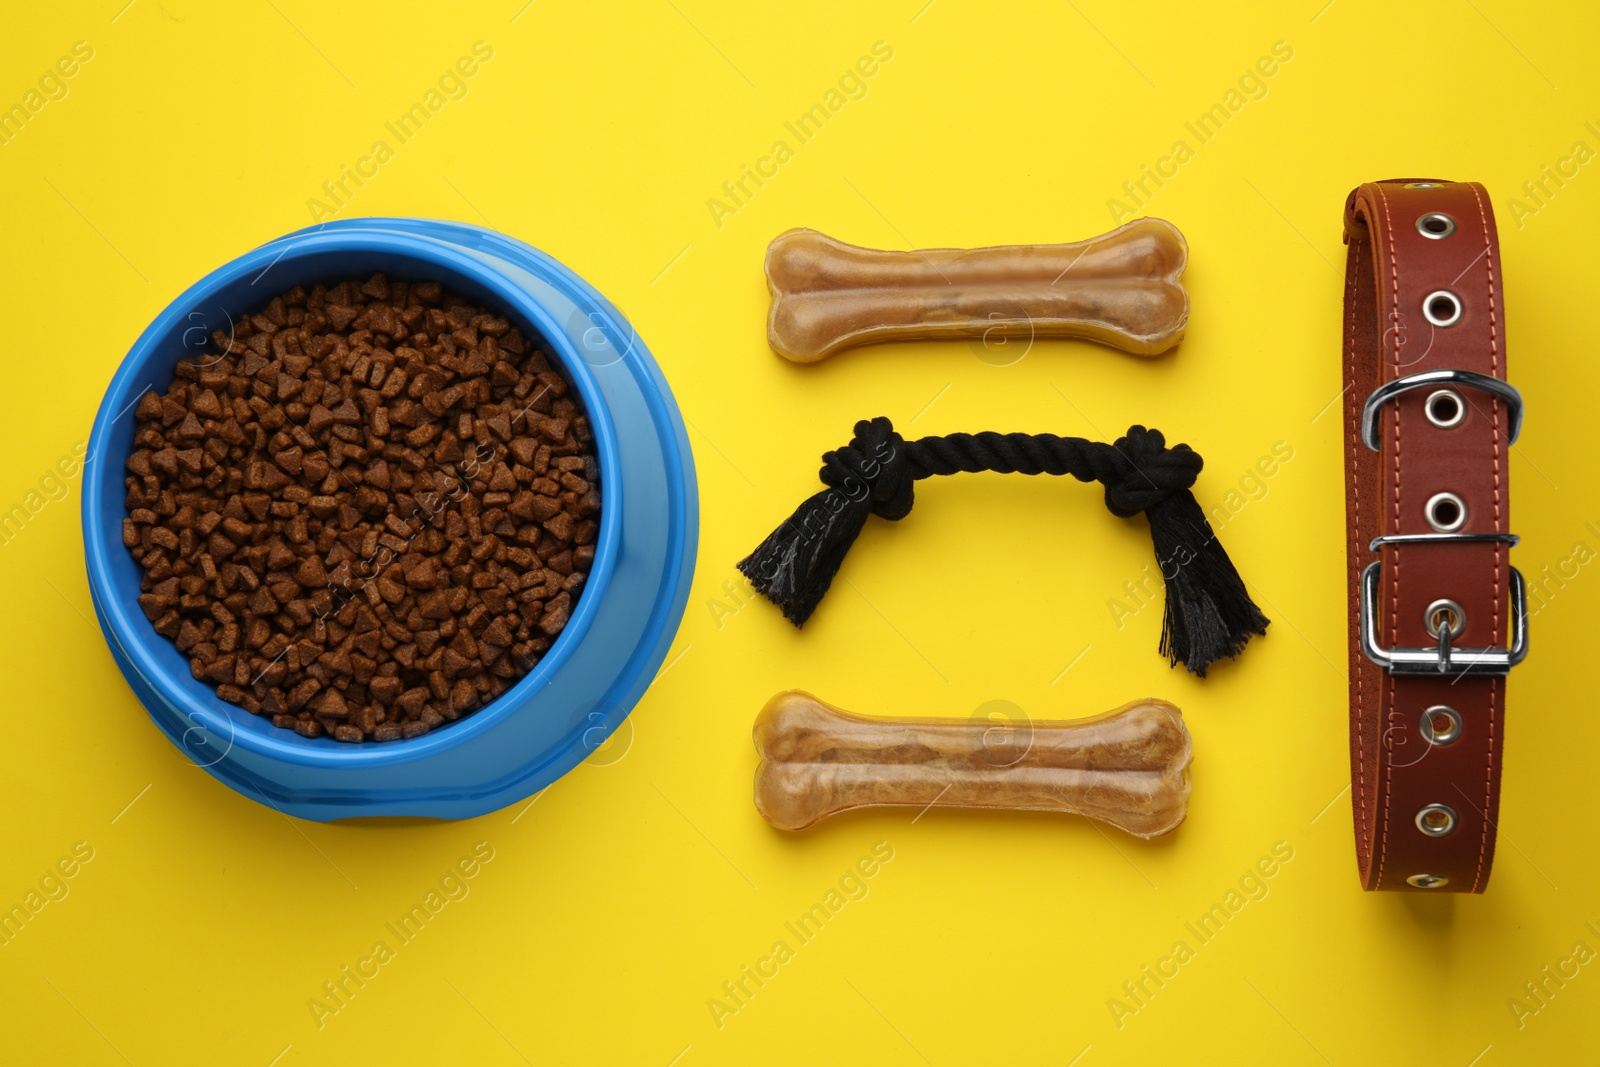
(1208, 613)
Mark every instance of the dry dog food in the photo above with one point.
(367, 513)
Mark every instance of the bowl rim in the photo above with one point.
(196, 702)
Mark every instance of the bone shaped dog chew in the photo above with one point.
(1120, 289)
(1128, 767)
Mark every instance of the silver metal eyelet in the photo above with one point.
(1442, 308)
(1436, 225)
(1445, 614)
(1441, 724)
(1436, 820)
(1428, 881)
(1445, 512)
(1424, 185)
(1445, 408)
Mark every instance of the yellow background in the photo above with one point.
(619, 903)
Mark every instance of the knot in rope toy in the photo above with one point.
(1208, 613)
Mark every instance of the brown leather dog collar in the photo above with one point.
(1437, 612)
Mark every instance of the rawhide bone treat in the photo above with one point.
(1128, 767)
(367, 513)
(1208, 613)
(1120, 289)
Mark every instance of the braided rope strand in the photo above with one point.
(1010, 453)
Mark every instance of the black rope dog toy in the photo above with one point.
(1208, 613)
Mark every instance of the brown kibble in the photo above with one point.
(302, 693)
(423, 575)
(311, 573)
(165, 462)
(454, 663)
(495, 634)
(435, 606)
(554, 619)
(332, 704)
(319, 419)
(559, 525)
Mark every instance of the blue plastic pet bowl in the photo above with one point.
(625, 618)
